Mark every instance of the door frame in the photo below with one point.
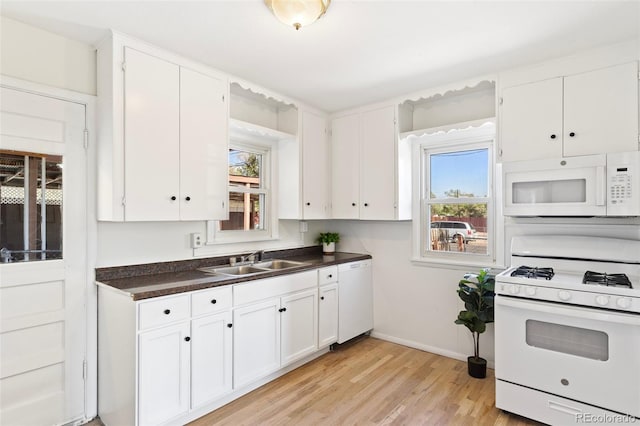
(91, 302)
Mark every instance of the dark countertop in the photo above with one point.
(178, 281)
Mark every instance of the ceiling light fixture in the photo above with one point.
(298, 13)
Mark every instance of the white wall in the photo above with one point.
(414, 305)
(32, 54)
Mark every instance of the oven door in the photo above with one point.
(585, 354)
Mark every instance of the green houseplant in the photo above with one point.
(478, 303)
(328, 241)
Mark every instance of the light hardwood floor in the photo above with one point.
(370, 382)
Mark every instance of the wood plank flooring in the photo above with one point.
(371, 382)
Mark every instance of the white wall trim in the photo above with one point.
(426, 348)
(89, 101)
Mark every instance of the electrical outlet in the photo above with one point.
(196, 240)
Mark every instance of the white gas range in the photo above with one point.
(567, 324)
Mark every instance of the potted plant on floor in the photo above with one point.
(478, 302)
(328, 240)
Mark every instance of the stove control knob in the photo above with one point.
(531, 291)
(514, 289)
(564, 295)
(602, 300)
(624, 302)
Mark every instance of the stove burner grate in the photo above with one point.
(529, 272)
(600, 278)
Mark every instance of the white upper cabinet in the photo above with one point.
(345, 162)
(162, 138)
(589, 113)
(203, 146)
(316, 175)
(367, 166)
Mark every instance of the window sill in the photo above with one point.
(467, 265)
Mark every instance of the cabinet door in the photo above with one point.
(328, 315)
(163, 374)
(345, 155)
(203, 147)
(316, 177)
(256, 341)
(299, 325)
(531, 121)
(601, 111)
(211, 362)
(151, 138)
(377, 164)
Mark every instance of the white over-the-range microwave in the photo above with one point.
(590, 185)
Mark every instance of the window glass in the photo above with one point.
(30, 207)
(458, 174)
(248, 194)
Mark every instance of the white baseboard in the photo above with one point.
(423, 347)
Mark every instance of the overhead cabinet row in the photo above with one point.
(594, 112)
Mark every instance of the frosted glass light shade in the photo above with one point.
(298, 13)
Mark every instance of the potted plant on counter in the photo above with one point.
(328, 240)
(478, 302)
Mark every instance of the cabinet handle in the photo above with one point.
(167, 311)
(552, 136)
(572, 134)
(214, 301)
(186, 339)
(366, 204)
(330, 276)
(308, 204)
(173, 198)
(229, 325)
(353, 204)
(321, 297)
(282, 310)
(188, 198)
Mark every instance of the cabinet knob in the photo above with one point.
(214, 301)
(167, 311)
(173, 198)
(321, 297)
(186, 339)
(229, 325)
(282, 310)
(366, 204)
(187, 198)
(353, 204)
(553, 136)
(330, 276)
(308, 204)
(572, 134)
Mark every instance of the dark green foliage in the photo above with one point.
(478, 303)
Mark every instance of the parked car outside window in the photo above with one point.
(464, 229)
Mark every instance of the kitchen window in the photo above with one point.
(250, 197)
(453, 202)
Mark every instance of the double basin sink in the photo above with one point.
(254, 268)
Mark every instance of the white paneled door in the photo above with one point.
(42, 293)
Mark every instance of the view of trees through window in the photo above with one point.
(247, 194)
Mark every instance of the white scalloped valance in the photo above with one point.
(459, 88)
(246, 89)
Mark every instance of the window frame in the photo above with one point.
(267, 179)
(451, 139)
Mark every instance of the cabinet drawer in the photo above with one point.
(164, 311)
(210, 301)
(272, 287)
(328, 275)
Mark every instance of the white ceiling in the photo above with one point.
(360, 51)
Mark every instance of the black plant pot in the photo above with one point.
(477, 367)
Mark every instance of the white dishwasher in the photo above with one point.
(355, 299)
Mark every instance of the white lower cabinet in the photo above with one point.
(211, 358)
(328, 315)
(299, 325)
(163, 374)
(256, 341)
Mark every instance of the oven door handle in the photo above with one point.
(569, 310)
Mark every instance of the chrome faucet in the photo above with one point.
(251, 257)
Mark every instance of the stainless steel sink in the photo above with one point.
(256, 268)
(279, 264)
